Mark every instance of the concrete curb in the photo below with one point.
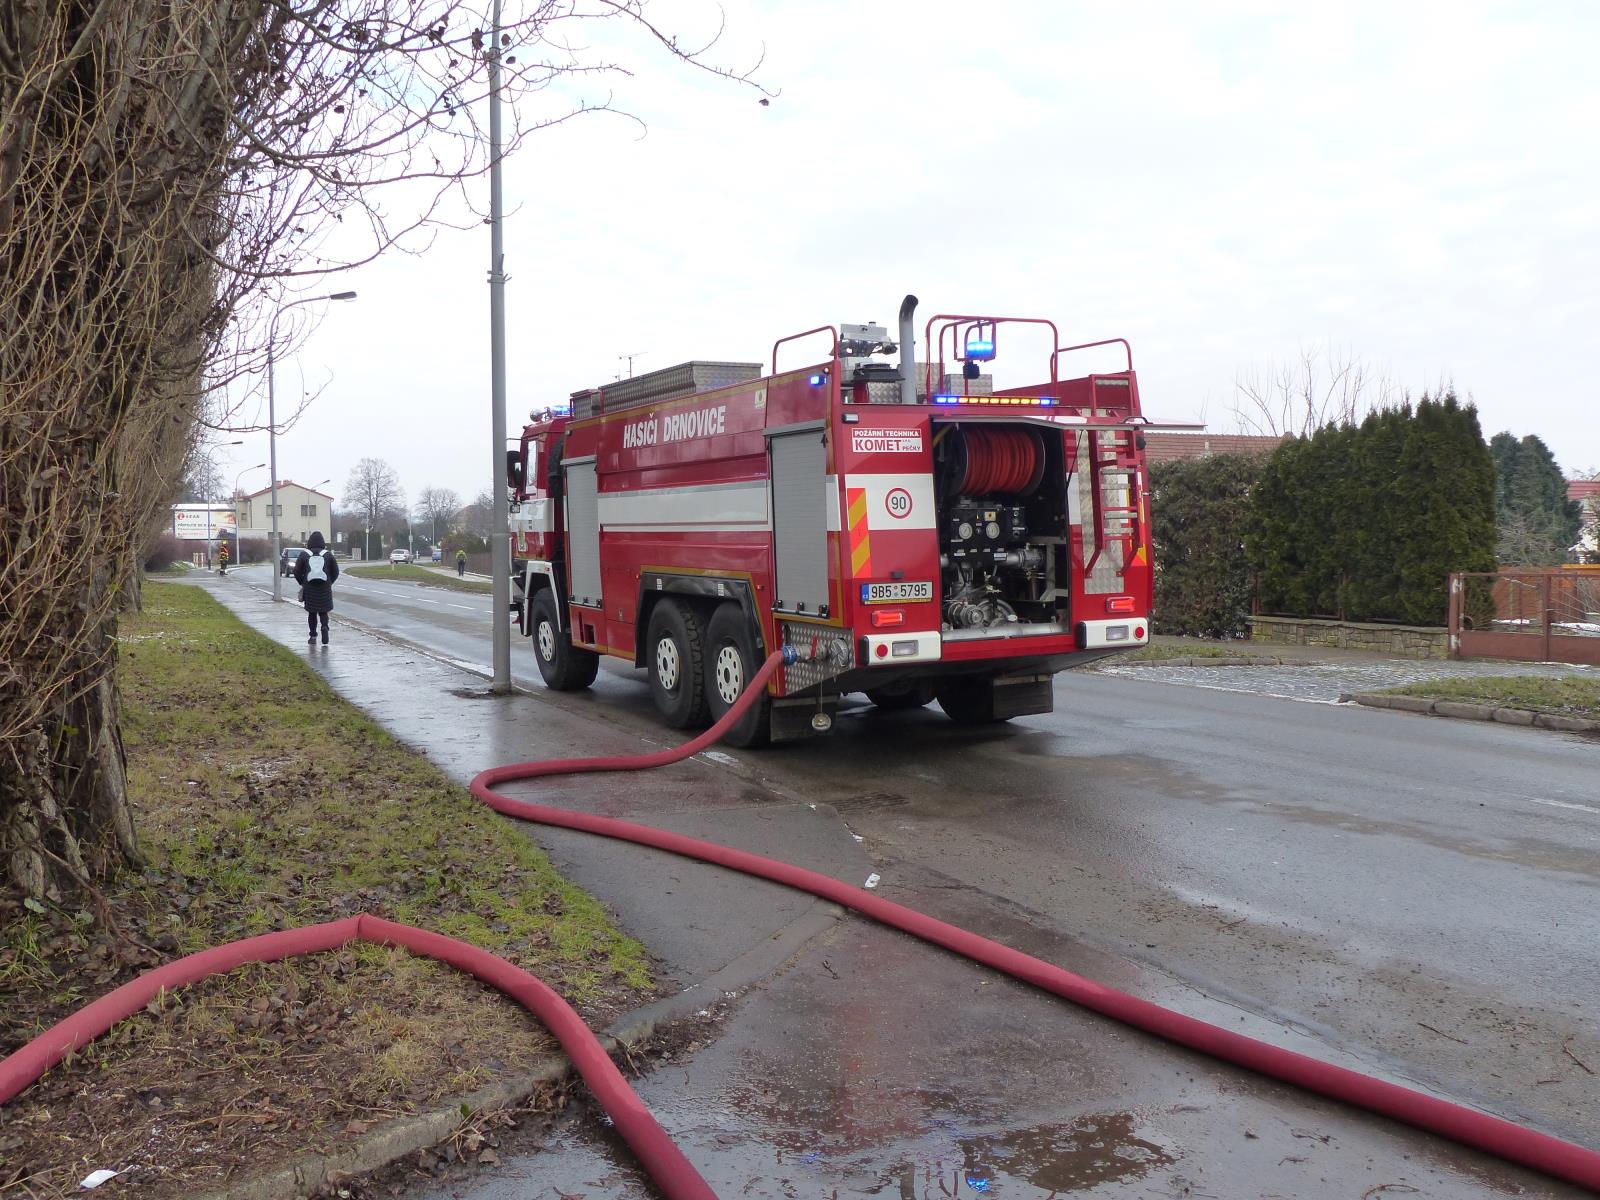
(395, 1139)
(1253, 661)
(1462, 711)
(390, 1141)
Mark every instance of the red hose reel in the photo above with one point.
(999, 461)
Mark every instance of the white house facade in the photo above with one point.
(300, 511)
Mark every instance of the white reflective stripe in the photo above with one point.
(540, 566)
(928, 648)
(713, 507)
(833, 503)
(912, 503)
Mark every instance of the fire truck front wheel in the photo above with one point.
(563, 666)
(731, 662)
(675, 656)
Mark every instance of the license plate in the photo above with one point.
(895, 593)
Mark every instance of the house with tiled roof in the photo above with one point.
(1160, 447)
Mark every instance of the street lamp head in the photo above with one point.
(342, 296)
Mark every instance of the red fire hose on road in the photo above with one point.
(666, 1164)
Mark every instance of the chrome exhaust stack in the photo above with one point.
(908, 351)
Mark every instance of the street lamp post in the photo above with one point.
(500, 533)
(234, 499)
(272, 426)
(209, 499)
(314, 487)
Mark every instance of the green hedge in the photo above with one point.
(1200, 512)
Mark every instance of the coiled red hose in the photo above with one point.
(666, 1164)
(1000, 461)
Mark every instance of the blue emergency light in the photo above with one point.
(999, 401)
(980, 350)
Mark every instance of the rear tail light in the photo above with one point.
(882, 618)
(1119, 604)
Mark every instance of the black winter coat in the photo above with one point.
(318, 595)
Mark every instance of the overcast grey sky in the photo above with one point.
(1223, 184)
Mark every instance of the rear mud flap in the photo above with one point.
(1023, 696)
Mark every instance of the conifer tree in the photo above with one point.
(1535, 521)
(1444, 516)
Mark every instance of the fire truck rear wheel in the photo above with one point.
(675, 656)
(968, 700)
(563, 666)
(731, 662)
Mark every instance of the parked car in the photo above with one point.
(399, 556)
(286, 560)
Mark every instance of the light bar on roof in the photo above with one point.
(1000, 401)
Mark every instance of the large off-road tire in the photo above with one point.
(731, 662)
(968, 700)
(674, 652)
(563, 666)
(917, 694)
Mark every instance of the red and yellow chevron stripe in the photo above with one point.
(860, 536)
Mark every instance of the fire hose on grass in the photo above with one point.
(658, 1154)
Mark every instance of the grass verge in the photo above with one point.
(410, 573)
(1161, 651)
(1563, 695)
(263, 801)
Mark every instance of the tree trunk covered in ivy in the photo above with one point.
(110, 165)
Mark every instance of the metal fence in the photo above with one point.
(1530, 616)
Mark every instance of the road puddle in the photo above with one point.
(1095, 1149)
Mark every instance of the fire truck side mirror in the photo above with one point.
(514, 469)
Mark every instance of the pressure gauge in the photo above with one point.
(964, 530)
(992, 530)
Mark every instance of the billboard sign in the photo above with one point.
(200, 522)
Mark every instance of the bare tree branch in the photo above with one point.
(1321, 386)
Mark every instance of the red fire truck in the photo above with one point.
(889, 528)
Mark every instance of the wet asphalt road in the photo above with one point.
(1415, 897)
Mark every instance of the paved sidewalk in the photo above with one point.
(450, 570)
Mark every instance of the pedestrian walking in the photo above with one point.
(222, 559)
(461, 564)
(315, 570)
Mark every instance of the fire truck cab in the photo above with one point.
(887, 527)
